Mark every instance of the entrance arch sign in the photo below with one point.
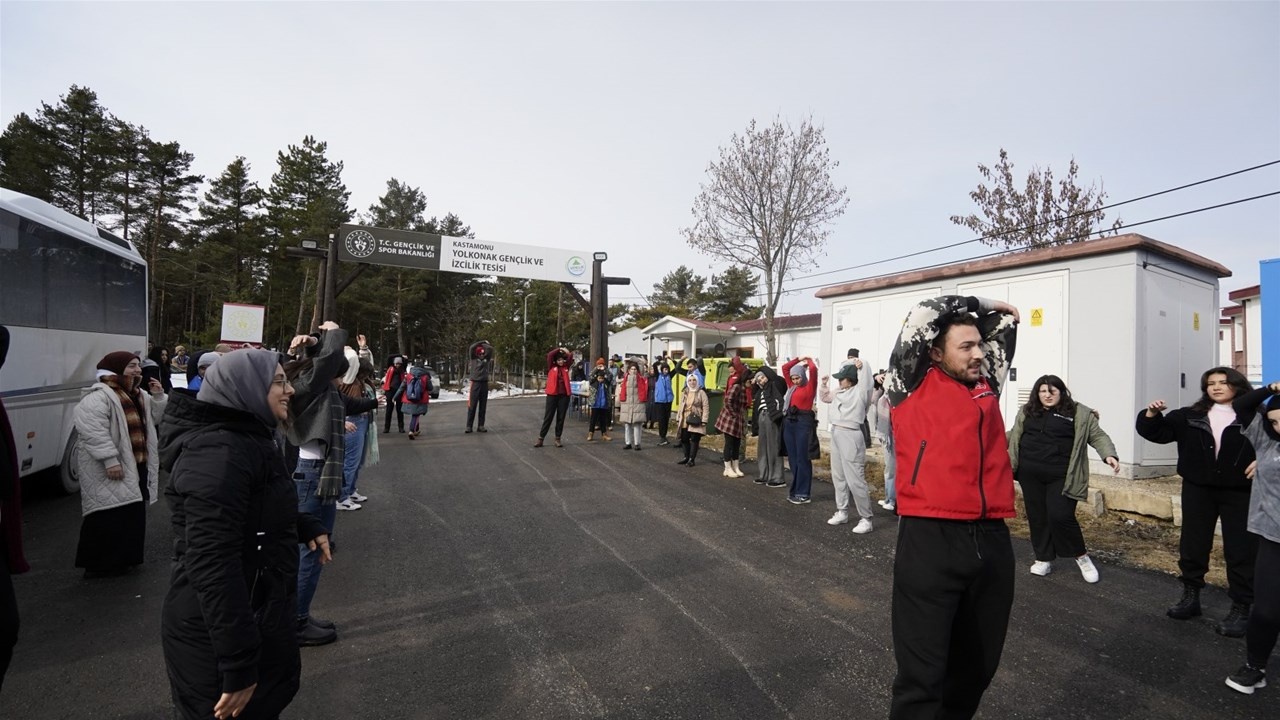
(428, 251)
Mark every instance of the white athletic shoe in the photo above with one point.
(841, 517)
(349, 504)
(358, 497)
(1087, 569)
(1041, 568)
(863, 527)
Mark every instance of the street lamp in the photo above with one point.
(524, 340)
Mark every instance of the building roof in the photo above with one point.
(1245, 293)
(781, 322)
(1026, 258)
(1232, 310)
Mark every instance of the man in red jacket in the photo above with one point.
(953, 573)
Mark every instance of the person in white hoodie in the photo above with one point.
(849, 404)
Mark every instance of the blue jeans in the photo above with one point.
(890, 470)
(354, 457)
(306, 479)
(796, 431)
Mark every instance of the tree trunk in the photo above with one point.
(318, 309)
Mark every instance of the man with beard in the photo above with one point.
(953, 572)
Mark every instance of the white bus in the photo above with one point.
(70, 292)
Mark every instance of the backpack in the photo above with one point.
(413, 389)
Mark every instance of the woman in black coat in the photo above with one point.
(1213, 455)
(227, 627)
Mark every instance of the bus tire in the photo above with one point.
(69, 472)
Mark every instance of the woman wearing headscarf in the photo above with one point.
(227, 625)
(766, 424)
(799, 424)
(691, 420)
(117, 463)
(732, 420)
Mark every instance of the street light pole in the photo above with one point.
(524, 341)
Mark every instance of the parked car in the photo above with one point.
(435, 383)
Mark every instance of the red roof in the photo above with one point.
(781, 322)
(1233, 310)
(1245, 293)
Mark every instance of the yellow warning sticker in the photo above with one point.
(1195, 321)
(1037, 317)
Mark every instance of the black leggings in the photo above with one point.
(732, 447)
(664, 419)
(1264, 618)
(690, 442)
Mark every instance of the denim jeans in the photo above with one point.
(354, 454)
(796, 431)
(306, 479)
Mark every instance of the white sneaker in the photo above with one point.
(841, 517)
(349, 504)
(882, 503)
(1041, 568)
(863, 527)
(1087, 569)
(889, 506)
(358, 497)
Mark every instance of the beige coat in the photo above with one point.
(103, 441)
(694, 402)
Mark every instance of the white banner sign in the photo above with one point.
(483, 257)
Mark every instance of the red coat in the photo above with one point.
(557, 376)
(953, 458)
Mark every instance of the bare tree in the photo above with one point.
(767, 204)
(1037, 216)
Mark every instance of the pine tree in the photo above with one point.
(729, 294)
(81, 150)
(230, 215)
(26, 158)
(166, 190)
(123, 187)
(306, 200)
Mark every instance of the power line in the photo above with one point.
(1070, 239)
(1044, 223)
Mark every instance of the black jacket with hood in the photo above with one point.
(1197, 462)
(229, 619)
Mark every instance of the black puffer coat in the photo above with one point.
(229, 617)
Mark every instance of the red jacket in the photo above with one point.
(804, 395)
(557, 376)
(953, 458)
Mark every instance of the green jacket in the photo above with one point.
(1088, 432)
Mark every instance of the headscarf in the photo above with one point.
(353, 365)
(130, 399)
(691, 382)
(241, 380)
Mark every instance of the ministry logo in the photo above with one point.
(576, 266)
(361, 244)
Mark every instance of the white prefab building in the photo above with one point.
(1122, 320)
(795, 335)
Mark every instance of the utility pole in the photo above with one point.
(600, 305)
(524, 340)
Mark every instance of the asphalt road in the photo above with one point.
(487, 579)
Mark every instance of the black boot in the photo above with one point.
(693, 456)
(1234, 624)
(683, 461)
(310, 635)
(1188, 607)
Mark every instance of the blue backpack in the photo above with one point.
(413, 389)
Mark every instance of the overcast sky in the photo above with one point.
(590, 125)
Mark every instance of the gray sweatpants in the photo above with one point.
(849, 469)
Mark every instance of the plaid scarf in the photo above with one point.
(133, 417)
(331, 475)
